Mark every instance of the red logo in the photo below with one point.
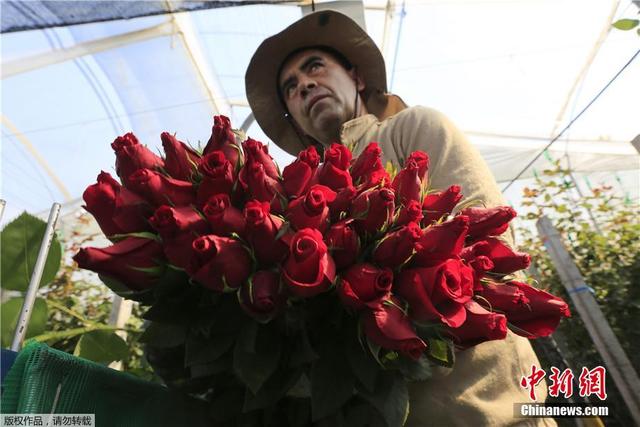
(590, 382)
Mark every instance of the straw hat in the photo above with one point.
(325, 28)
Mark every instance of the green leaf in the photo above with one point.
(272, 390)
(441, 352)
(163, 335)
(332, 383)
(626, 24)
(413, 370)
(143, 297)
(302, 352)
(391, 398)
(11, 313)
(102, 347)
(20, 241)
(202, 350)
(256, 354)
(362, 363)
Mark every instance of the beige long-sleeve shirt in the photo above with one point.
(485, 382)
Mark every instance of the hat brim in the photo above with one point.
(325, 28)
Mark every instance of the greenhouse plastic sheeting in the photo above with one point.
(84, 387)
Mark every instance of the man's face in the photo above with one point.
(319, 93)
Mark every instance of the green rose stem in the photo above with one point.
(58, 335)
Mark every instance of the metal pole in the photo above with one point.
(2, 205)
(617, 363)
(36, 275)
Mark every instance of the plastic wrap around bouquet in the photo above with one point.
(309, 295)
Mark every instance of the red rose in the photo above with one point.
(367, 170)
(505, 260)
(437, 293)
(131, 156)
(262, 229)
(407, 184)
(534, 312)
(219, 263)
(223, 218)
(262, 296)
(178, 228)
(422, 160)
(181, 160)
(104, 199)
(365, 285)
(334, 171)
(485, 222)
(217, 176)
(159, 190)
(344, 243)
(135, 262)
(409, 212)
(390, 328)
(309, 270)
(260, 186)
(480, 326)
(373, 210)
(297, 176)
(342, 202)
(312, 210)
(223, 139)
(257, 152)
(442, 241)
(441, 203)
(396, 248)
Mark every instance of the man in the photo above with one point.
(323, 80)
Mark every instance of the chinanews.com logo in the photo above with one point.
(591, 383)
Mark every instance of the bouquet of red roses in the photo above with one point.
(307, 296)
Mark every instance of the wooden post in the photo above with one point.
(615, 359)
(120, 313)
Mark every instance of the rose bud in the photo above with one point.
(396, 248)
(342, 202)
(505, 260)
(217, 176)
(180, 159)
(262, 229)
(480, 265)
(343, 243)
(131, 156)
(223, 218)
(297, 176)
(178, 228)
(485, 222)
(410, 212)
(442, 241)
(407, 184)
(390, 328)
(365, 285)
(422, 160)
(223, 139)
(101, 201)
(135, 262)
(309, 270)
(480, 326)
(367, 170)
(219, 263)
(439, 204)
(334, 171)
(373, 210)
(437, 293)
(260, 186)
(159, 190)
(262, 296)
(132, 212)
(312, 210)
(257, 152)
(534, 312)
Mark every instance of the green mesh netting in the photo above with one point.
(44, 380)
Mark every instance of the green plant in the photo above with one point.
(602, 233)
